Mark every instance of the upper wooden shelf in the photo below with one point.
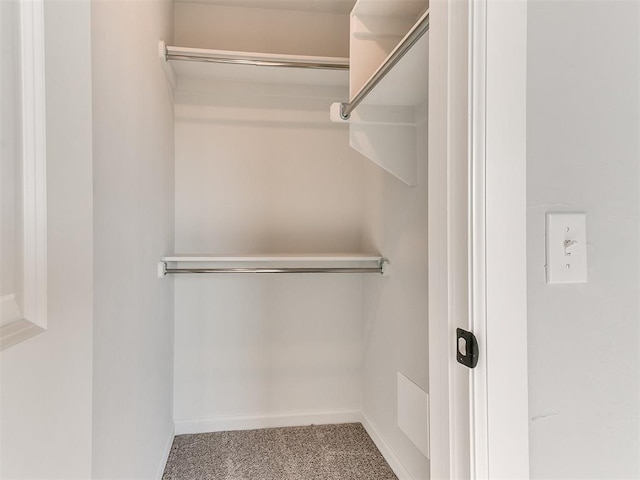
(390, 8)
(207, 64)
(378, 28)
(389, 84)
(274, 257)
(274, 263)
(406, 84)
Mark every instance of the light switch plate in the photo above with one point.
(566, 248)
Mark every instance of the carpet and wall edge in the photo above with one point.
(385, 449)
(252, 422)
(165, 453)
(293, 419)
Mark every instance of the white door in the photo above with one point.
(477, 282)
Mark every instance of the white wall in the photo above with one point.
(256, 174)
(46, 381)
(395, 307)
(261, 30)
(261, 169)
(583, 155)
(133, 229)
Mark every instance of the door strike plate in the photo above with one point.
(466, 348)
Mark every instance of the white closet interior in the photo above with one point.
(265, 181)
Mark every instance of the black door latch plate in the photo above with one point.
(469, 357)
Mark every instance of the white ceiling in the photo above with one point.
(324, 6)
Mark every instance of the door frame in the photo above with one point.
(498, 280)
(477, 254)
(448, 241)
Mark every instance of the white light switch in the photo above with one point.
(566, 248)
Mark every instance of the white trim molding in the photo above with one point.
(33, 264)
(252, 422)
(165, 454)
(477, 132)
(385, 449)
(499, 406)
(440, 345)
(448, 205)
(16, 332)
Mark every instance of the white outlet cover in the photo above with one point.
(566, 248)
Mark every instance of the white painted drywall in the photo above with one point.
(46, 381)
(258, 171)
(261, 30)
(261, 174)
(261, 169)
(133, 228)
(395, 307)
(583, 115)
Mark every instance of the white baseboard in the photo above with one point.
(165, 454)
(386, 451)
(251, 422)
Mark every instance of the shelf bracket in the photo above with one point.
(162, 269)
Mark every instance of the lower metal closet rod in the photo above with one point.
(274, 270)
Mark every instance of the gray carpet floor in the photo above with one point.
(316, 452)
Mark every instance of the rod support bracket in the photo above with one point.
(343, 115)
(162, 269)
(163, 52)
(384, 267)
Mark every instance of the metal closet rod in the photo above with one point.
(275, 270)
(415, 34)
(209, 57)
(380, 269)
